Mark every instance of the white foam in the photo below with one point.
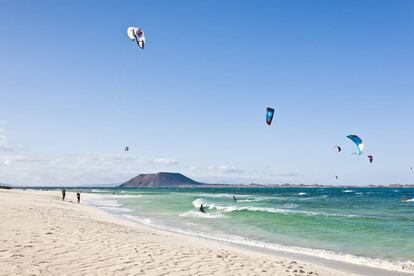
(301, 193)
(125, 196)
(101, 202)
(197, 214)
(145, 221)
(348, 191)
(224, 195)
(249, 200)
(99, 191)
(117, 209)
(410, 200)
(107, 204)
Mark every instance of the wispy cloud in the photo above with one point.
(75, 169)
(164, 161)
(69, 169)
(5, 144)
(224, 169)
(286, 174)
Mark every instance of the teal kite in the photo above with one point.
(358, 142)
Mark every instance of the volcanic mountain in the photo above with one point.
(161, 179)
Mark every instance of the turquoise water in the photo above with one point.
(361, 225)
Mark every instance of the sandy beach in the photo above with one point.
(42, 235)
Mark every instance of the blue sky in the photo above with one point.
(74, 91)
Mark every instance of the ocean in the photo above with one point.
(367, 226)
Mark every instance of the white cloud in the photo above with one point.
(69, 169)
(163, 161)
(286, 174)
(224, 169)
(4, 143)
(75, 169)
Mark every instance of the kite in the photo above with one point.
(338, 148)
(126, 148)
(358, 142)
(269, 115)
(138, 35)
(370, 158)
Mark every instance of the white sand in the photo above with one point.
(41, 235)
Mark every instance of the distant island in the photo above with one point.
(170, 179)
(161, 179)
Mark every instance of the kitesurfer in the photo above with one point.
(202, 209)
(235, 199)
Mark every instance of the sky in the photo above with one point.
(74, 91)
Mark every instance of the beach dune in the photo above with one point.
(42, 235)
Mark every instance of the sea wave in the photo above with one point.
(410, 200)
(107, 204)
(100, 191)
(223, 195)
(234, 208)
(125, 196)
(302, 193)
(116, 209)
(197, 214)
(145, 221)
(102, 202)
(348, 191)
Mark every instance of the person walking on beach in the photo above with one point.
(63, 194)
(202, 209)
(78, 196)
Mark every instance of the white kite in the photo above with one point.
(138, 35)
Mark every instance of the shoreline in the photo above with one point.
(211, 256)
(352, 263)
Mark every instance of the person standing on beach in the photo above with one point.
(63, 194)
(78, 196)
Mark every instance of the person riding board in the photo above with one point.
(202, 209)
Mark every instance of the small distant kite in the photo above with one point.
(126, 148)
(370, 158)
(138, 35)
(338, 148)
(336, 177)
(269, 115)
(358, 142)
